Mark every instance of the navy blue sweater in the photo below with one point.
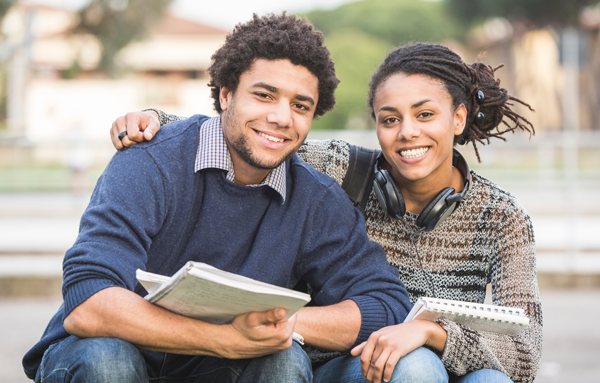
(150, 210)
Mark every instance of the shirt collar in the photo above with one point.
(214, 153)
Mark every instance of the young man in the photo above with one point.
(228, 191)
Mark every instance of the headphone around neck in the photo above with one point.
(436, 211)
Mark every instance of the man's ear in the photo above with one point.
(225, 97)
(460, 119)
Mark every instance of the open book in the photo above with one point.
(477, 316)
(204, 292)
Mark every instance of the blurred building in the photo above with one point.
(55, 93)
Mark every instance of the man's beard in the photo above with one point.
(240, 146)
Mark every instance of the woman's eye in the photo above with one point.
(390, 120)
(425, 114)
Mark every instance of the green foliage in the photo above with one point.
(397, 21)
(356, 55)
(359, 35)
(116, 23)
(539, 13)
(5, 6)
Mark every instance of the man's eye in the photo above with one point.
(426, 114)
(300, 106)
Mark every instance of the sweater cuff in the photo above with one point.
(81, 291)
(373, 316)
(451, 348)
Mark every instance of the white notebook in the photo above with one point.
(204, 292)
(477, 316)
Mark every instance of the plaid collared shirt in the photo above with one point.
(214, 153)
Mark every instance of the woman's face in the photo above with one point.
(416, 125)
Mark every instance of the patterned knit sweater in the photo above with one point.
(488, 239)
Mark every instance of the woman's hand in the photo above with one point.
(384, 348)
(140, 127)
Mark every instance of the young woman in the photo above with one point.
(425, 100)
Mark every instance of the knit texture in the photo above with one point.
(488, 239)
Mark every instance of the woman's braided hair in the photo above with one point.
(463, 82)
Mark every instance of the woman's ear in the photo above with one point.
(224, 97)
(460, 119)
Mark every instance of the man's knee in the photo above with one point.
(291, 365)
(94, 360)
(420, 365)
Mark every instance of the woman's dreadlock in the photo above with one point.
(463, 82)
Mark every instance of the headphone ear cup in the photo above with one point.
(434, 210)
(401, 208)
(388, 194)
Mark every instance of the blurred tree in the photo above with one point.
(116, 23)
(537, 13)
(360, 34)
(356, 55)
(5, 6)
(397, 21)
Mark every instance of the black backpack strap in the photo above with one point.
(358, 181)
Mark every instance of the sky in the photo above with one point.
(223, 13)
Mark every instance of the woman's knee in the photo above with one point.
(420, 365)
(484, 376)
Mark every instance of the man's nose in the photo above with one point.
(281, 114)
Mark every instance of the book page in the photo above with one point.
(216, 303)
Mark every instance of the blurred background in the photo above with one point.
(68, 68)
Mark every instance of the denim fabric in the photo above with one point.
(114, 360)
(483, 376)
(421, 365)
(96, 360)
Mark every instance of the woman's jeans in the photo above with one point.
(102, 360)
(421, 365)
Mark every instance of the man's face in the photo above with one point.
(269, 115)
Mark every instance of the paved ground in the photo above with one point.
(571, 336)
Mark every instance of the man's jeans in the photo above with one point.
(101, 360)
(421, 365)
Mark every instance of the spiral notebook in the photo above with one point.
(476, 316)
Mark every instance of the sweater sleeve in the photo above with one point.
(514, 284)
(165, 118)
(126, 210)
(330, 157)
(340, 263)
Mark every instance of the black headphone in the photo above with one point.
(436, 211)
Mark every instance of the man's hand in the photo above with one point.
(140, 126)
(384, 348)
(119, 313)
(259, 333)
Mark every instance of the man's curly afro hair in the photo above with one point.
(274, 37)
